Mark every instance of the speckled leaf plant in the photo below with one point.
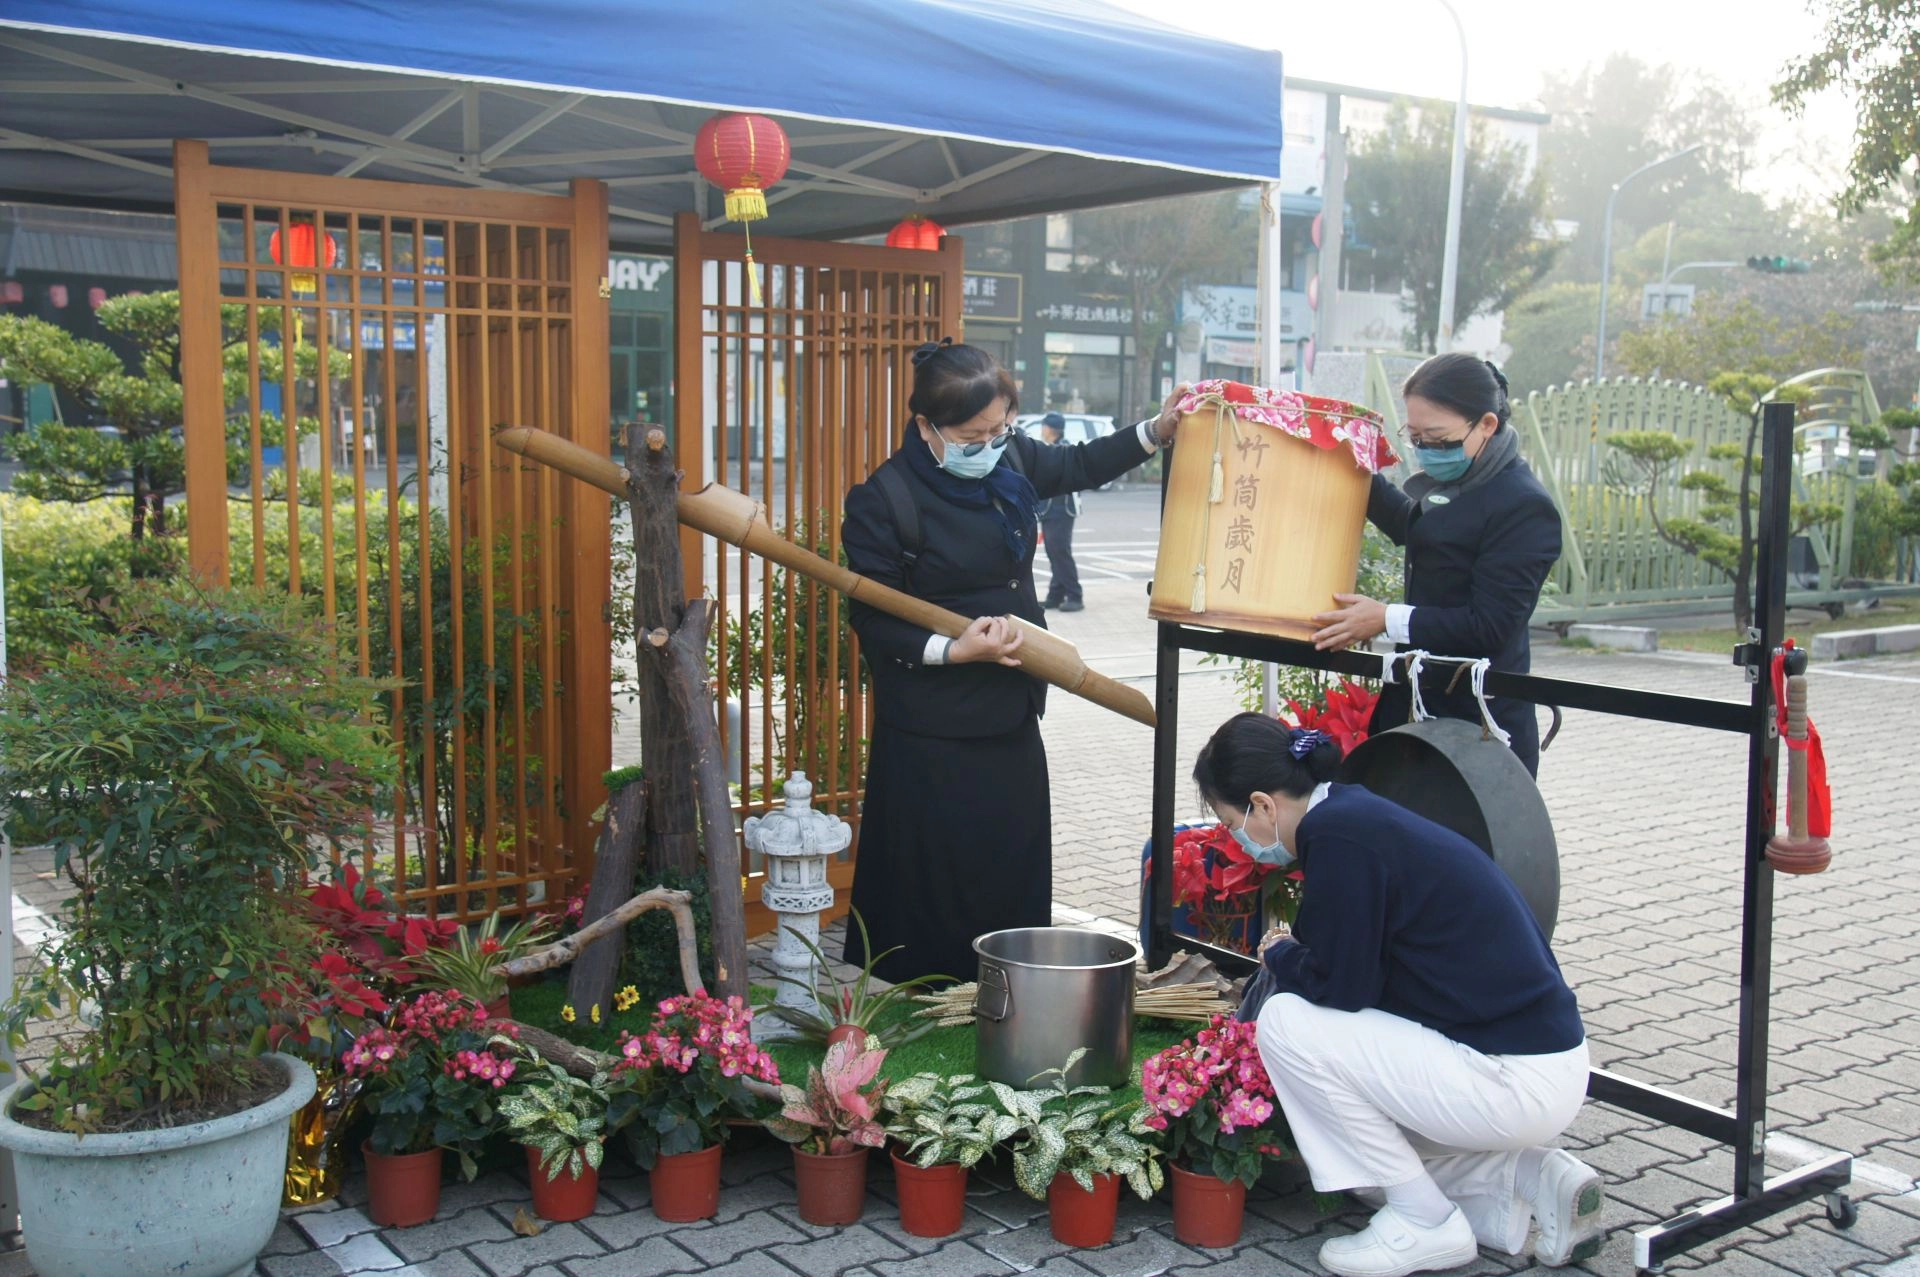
(942, 1121)
(1081, 1131)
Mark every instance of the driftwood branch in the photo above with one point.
(561, 952)
(615, 860)
(686, 654)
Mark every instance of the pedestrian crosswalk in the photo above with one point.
(1104, 560)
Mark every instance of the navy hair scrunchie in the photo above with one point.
(1302, 741)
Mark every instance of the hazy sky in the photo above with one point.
(1409, 46)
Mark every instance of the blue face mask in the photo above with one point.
(1275, 854)
(977, 466)
(1445, 463)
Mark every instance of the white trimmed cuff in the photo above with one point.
(936, 653)
(1149, 438)
(1400, 622)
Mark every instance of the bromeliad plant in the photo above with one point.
(1079, 1131)
(839, 1111)
(561, 1117)
(856, 1003)
(186, 768)
(433, 1078)
(944, 1121)
(1213, 1103)
(467, 965)
(674, 1087)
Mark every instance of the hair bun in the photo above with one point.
(927, 350)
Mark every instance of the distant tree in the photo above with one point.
(1398, 189)
(1871, 49)
(1150, 253)
(1737, 333)
(1613, 117)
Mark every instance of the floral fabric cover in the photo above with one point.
(1322, 422)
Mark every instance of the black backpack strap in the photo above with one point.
(906, 515)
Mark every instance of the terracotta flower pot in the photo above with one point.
(933, 1199)
(847, 1033)
(501, 1008)
(832, 1186)
(686, 1186)
(1207, 1211)
(567, 1198)
(1080, 1218)
(402, 1190)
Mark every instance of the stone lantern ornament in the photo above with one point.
(797, 843)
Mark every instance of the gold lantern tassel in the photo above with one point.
(753, 272)
(1198, 603)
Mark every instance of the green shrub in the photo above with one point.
(652, 960)
(65, 564)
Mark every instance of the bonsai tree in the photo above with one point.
(142, 402)
(187, 769)
(1725, 534)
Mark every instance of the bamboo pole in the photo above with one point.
(739, 520)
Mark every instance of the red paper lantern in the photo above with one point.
(743, 155)
(915, 231)
(301, 241)
(12, 293)
(96, 297)
(57, 294)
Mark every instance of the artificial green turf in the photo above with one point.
(946, 1051)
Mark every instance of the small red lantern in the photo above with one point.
(915, 231)
(743, 155)
(96, 297)
(300, 239)
(12, 293)
(57, 294)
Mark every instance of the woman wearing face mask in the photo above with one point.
(1420, 1037)
(956, 832)
(1480, 533)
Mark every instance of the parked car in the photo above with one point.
(1081, 428)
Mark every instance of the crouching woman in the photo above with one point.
(1421, 1039)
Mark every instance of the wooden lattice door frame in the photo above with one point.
(510, 327)
(795, 432)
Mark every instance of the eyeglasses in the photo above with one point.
(998, 439)
(1428, 441)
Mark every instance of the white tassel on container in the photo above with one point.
(1199, 601)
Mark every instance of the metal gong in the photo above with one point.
(1445, 770)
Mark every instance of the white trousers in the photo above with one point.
(1375, 1101)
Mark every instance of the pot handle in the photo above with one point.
(993, 996)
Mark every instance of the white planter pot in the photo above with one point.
(193, 1201)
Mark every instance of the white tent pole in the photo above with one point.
(1272, 275)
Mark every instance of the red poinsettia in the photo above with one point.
(358, 916)
(1344, 717)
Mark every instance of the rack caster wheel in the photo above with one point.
(1841, 1212)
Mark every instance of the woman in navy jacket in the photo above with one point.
(956, 834)
(1481, 535)
(1421, 1039)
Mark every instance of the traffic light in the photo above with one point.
(1779, 265)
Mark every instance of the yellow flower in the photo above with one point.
(626, 999)
(566, 1013)
(594, 1014)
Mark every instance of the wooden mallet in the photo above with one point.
(1796, 851)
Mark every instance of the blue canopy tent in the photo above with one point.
(963, 111)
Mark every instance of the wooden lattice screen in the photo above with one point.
(359, 474)
(794, 399)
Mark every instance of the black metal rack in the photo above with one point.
(1743, 1130)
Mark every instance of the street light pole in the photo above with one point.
(1456, 181)
(1606, 253)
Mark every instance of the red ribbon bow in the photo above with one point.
(1819, 796)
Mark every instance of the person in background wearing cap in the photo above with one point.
(1421, 1040)
(1481, 535)
(1056, 530)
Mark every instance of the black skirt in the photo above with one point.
(956, 840)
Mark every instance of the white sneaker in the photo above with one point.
(1571, 1200)
(1392, 1247)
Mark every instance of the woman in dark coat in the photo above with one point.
(1481, 534)
(956, 833)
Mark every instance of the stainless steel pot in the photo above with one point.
(1044, 993)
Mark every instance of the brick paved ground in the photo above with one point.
(1648, 821)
